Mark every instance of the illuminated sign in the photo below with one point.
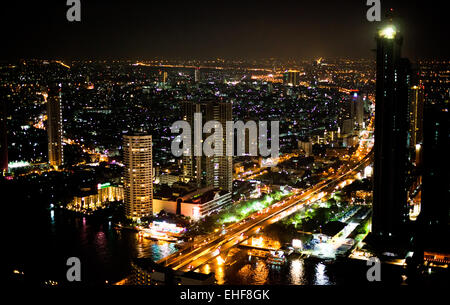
(104, 185)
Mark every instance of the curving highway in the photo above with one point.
(210, 247)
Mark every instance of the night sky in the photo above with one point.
(203, 30)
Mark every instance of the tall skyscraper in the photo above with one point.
(3, 134)
(214, 171)
(54, 125)
(390, 209)
(138, 182)
(193, 167)
(434, 77)
(164, 77)
(416, 120)
(197, 75)
(357, 108)
(219, 169)
(435, 206)
(432, 234)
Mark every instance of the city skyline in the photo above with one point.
(141, 163)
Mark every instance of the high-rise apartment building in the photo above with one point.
(138, 182)
(435, 208)
(435, 77)
(357, 109)
(219, 169)
(3, 134)
(193, 167)
(416, 120)
(54, 125)
(197, 75)
(214, 171)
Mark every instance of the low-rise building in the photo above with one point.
(168, 179)
(147, 272)
(195, 204)
(96, 199)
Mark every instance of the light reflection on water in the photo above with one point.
(220, 275)
(108, 253)
(101, 243)
(297, 272)
(247, 270)
(104, 251)
(320, 275)
(147, 248)
(260, 273)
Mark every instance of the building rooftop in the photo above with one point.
(197, 275)
(150, 265)
(188, 195)
(203, 195)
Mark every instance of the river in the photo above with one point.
(105, 254)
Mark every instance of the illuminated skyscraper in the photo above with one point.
(357, 108)
(214, 171)
(193, 167)
(3, 134)
(434, 77)
(416, 120)
(138, 182)
(164, 77)
(390, 210)
(54, 125)
(291, 77)
(219, 169)
(197, 75)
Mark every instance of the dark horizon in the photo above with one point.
(250, 30)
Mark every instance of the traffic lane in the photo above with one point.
(286, 206)
(253, 223)
(233, 240)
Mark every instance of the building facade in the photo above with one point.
(138, 180)
(54, 125)
(193, 167)
(416, 120)
(146, 272)
(390, 209)
(291, 78)
(104, 194)
(435, 208)
(196, 204)
(216, 171)
(219, 169)
(357, 109)
(3, 133)
(197, 75)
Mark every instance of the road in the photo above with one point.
(210, 247)
(207, 249)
